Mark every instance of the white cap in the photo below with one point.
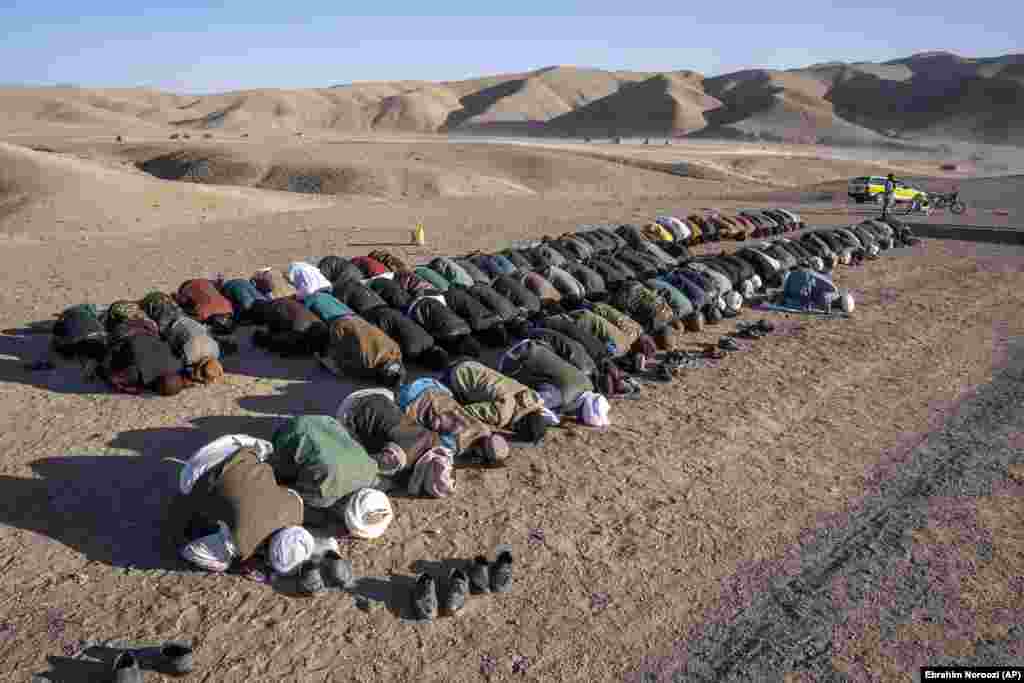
(368, 513)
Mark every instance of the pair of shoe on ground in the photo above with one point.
(331, 570)
(746, 331)
(480, 577)
(174, 659)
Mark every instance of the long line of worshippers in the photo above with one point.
(576, 319)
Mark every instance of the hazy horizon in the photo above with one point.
(193, 49)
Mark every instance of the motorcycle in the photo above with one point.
(949, 200)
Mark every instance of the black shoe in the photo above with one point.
(728, 344)
(501, 572)
(765, 326)
(479, 576)
(749, 331)
(175, 659)
(337, 571)
(458, 589)
(310, 580)
(424, 598)
(126, 669)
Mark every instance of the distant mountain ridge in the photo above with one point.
(926, 95)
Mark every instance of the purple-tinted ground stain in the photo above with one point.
(56, 625)
(599, 601)
(520, 664)
(488, 665)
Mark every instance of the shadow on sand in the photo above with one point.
(112, 507)
(393, 591)
(21, 347)
(109, 508)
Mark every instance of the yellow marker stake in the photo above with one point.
(419, 236)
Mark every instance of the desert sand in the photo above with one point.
(630, 543)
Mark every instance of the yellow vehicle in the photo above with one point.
(872, 189)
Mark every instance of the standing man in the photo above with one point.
(890, 188)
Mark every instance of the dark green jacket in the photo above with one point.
(317, 457)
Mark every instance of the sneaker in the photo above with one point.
(749, 331)
(479, 576)
(501, 572)
(458, 589)
(126, 669)
(424, 598)
(175, 659)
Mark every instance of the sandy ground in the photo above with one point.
(632, 543)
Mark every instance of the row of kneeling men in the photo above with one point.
(615, 292)
(241, 496)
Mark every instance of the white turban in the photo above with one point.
(758, 282)
(368, 513)
(306, 279)
(594, 410)
(289, 548)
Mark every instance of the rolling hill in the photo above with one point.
(924, 96)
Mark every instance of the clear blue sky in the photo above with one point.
(195, 48)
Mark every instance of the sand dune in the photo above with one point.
(48, 193)
(922, 96)
(136, 187)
